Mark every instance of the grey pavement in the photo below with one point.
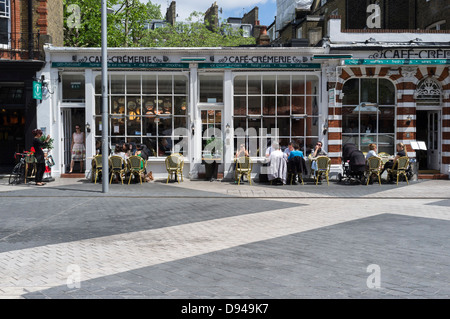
(210, 240)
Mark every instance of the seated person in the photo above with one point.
(277, 164)
(118, 151)
(372, 151)
(400, 147)
(295, 151)
(318, 150)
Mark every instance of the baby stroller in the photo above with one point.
(353, 164)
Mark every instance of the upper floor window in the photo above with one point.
(4, 9)
(5, 13)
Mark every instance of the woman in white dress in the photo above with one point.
(78, 149)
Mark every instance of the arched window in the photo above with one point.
(428, 92)
(368, 114)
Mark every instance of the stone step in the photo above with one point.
(432, 176)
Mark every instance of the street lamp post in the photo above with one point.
(105, 123)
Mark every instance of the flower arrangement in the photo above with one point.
(49, 144)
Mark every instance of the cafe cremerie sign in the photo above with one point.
(232, 61)
(402, 57)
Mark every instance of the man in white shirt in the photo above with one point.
(278, 164)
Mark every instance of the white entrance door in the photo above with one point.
(433, 143)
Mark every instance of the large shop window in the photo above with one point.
(284, 102)
(5, 13)
(146, 109)
(368, 113)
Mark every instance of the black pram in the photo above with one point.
(353, 163)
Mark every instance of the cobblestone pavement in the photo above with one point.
(208, 240)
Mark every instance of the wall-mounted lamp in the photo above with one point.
(227, 127)
(88, 127)
(408, 120)
(193, 128)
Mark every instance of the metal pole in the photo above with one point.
(105, 122)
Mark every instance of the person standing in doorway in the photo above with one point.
(39, 155)
(78, 149)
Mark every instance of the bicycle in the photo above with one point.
(17, 175)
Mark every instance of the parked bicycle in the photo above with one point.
(18, 173)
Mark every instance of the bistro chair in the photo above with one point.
(136, 166)
(244, 167)
(174, 166)
(374, 167)
(116, 167)
(96, 167)
(323, 168)
(296, 166)
(399, 168)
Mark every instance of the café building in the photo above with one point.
(202, 102)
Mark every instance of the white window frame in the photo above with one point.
(6, 14)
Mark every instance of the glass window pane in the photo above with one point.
(387, 92)
(165, 84)
(98, 84)
(312, 85)
(283, 125)
(149, 84)
(73, 88)
(165, 126)
(386, 120)
(283, 105)
(269, 125)
(350, 120)
(240, 85)
(298, 84)
(98, 105)
(151, 145)
(254, 105)
(369, 90)
(180, 84)
(240, 122)
(118, 105)
(134, 125)
(268, 105)
(148, 126)
(240, 105)
(298, 127)
(298, 105)
(254, 85)
(117, 84)
(133, 84)
(133, 105)
(269, 84)
(180, 107)
(117, 126)
(351, 92)
(149, 105)
(211, 88)
(180, 122)
(312, 126)
(283, 84)
(166, 106)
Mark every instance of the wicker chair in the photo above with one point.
(323, 168)
(399, 168)
(96, 167)
(116, 167)
(136, 166)
(244, 166)
(374, 167)
(174, 166)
